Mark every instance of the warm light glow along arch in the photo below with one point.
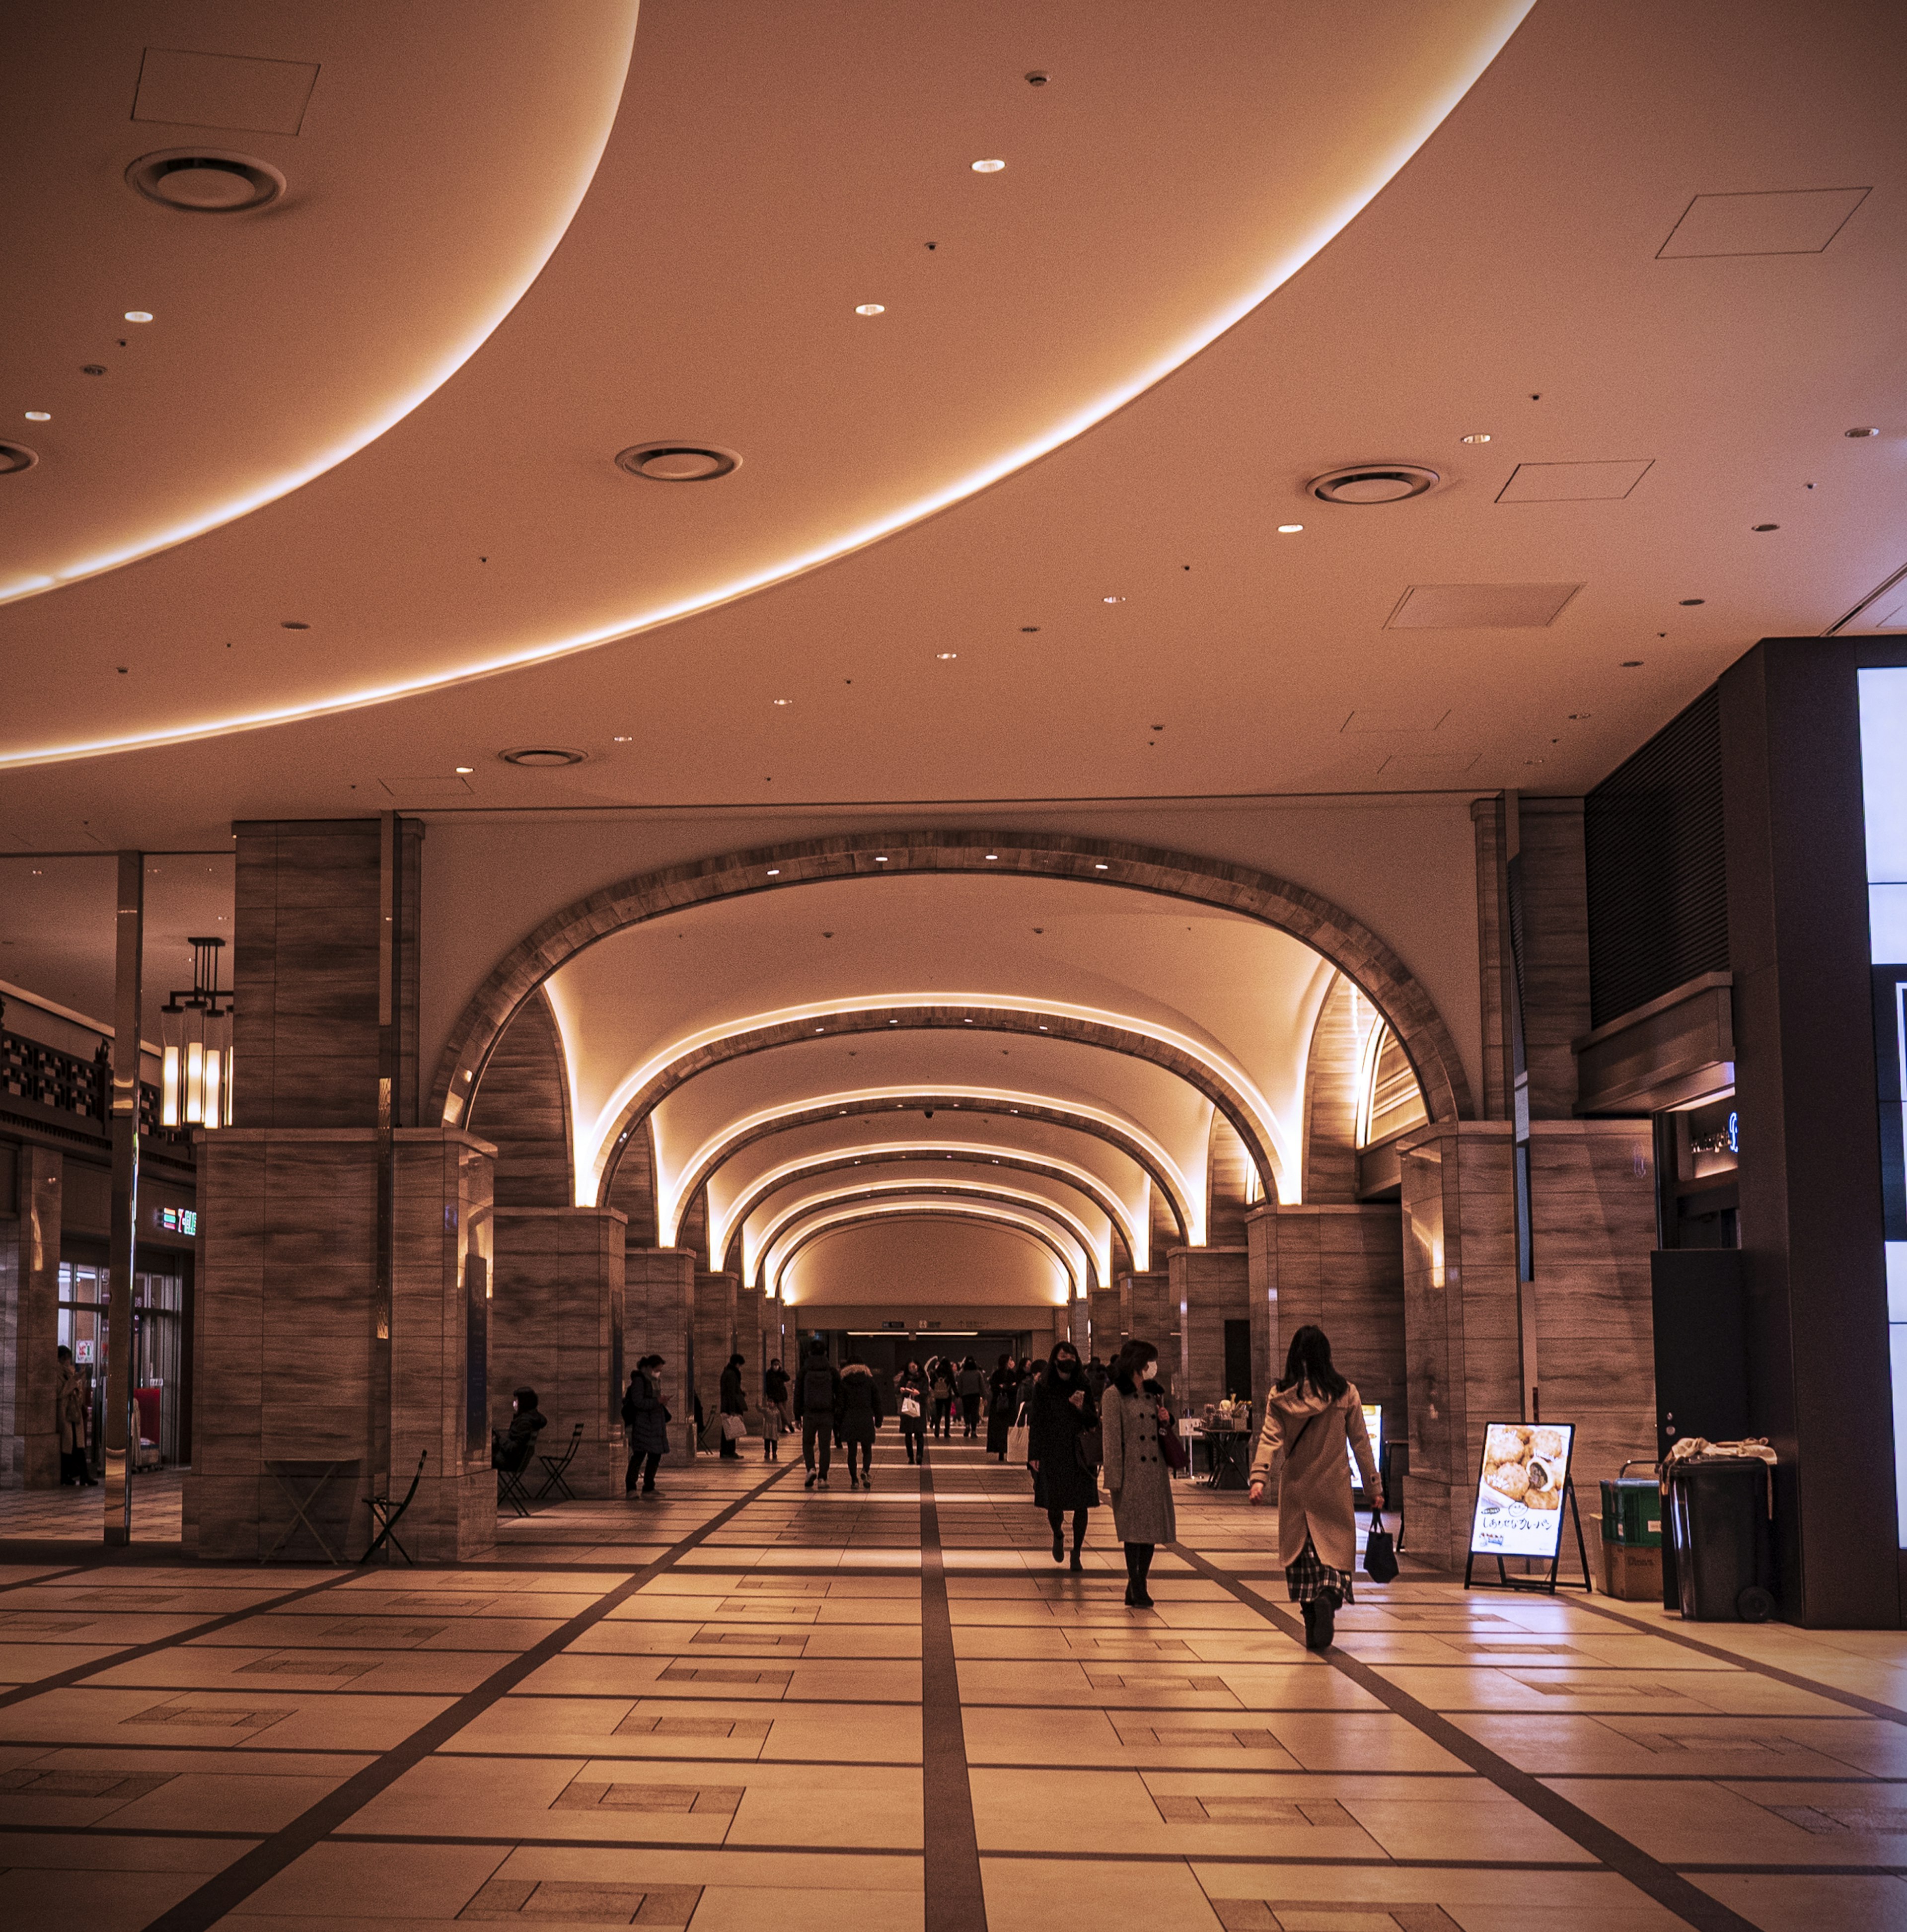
(1095, 1247)
(1072, 1265)
(1442, 47)
(1212, 1071)
(1133, 1230)
(1183, 1202)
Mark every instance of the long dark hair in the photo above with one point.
(1309, 1361)
(1129, 1364)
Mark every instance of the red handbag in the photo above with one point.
(1178, 1457)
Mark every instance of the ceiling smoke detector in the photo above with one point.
(542, 757)
(14, 458)
(1366, 483)
(678, 462)
(202, 182)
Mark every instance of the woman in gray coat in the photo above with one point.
(1136, 1471)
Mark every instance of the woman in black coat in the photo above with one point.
(1002, 1405)
(1061, 1412)
(731, 1401)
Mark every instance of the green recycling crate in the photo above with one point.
(1631, 1538)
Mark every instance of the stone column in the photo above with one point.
(1207, 1286)
(29, 1323)
(715, 1342)
(1146, 1309)
(1261, 1282)
(751, 1338)
(1103, 1313)
(557, 1322)
(1342, 1267)
(658, 1303)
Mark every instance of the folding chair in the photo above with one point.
(509, 1479)
(556, 1465)
(386, 1516)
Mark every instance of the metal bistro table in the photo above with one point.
(318, 1471)
(1227, 1462)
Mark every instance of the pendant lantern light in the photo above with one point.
(195, 1076)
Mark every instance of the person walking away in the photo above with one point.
(911, 1394)
(1061, 1411)
(1097, 1374)
(816, 1391)
(69, 1419)
(1136, 1476)
(774, 1410)
(857, 1408)
(731, 1401)
(646, 1416)
(1310, 1416)
(943, 1393)
(1002, 1405)
(972, 1385)
(513, 1448)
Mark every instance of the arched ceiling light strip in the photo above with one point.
(775, 1267)
(1098, 1251)
(390, 411)
(1464, 62)
(1115, 1130)
(1214, 1074)
(723, 1228)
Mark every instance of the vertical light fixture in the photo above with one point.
(195, 1076)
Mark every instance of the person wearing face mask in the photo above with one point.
(1136, 1476)
(1065, 1477)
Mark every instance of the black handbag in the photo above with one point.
(1089, 1448)
(1380, 1552)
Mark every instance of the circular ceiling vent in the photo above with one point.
(678, 462)
(204, 182)
(1373, 483)
(542, 757)
(14, 458)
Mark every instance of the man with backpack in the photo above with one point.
(817, 1390)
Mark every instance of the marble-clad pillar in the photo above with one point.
(658, 1303)
(557, 1322)
(1208, 1287)
(29, 1322)
(715, 1342)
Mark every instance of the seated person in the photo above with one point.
(512, 1449)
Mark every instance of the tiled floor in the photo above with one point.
(745, 1705)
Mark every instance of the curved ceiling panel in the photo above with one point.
(1073, 1271)
(432, 156)
(1182, 163)
(946, 1262)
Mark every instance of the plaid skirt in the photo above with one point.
(1310, 1574)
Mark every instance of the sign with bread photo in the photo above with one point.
(1519, 1494)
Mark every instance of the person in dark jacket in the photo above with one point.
(911, 1385)
(731, 1401)
(857, 1409)
(774, 1410)
(1002, 1405)
(1061, 1411)
(513, 1448)
(941, 1373)
(817, 1389)
(647, 1417)
(1098, 1375)
(972, 1385)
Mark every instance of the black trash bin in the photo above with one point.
(1718, 1513)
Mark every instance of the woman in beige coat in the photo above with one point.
(1311, 1415)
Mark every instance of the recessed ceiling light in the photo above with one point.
(463, 771)
(1764, 526)
(1099, 865)
(871, 308)
(774, 871)
(1688, 601)
(678, 462)
(542, 757)
(1861, 432)
(1481, 436)
(205, 183)
(139, 315)
(881, 859)
(781, 700)
(1632, 664)
(821, 1029)
(992, 855)
(1289, 530)
(988, 167)
(1365, 484)
(945, 656)
(292, 624)
(38, 415)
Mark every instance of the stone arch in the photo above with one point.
(1327, 928)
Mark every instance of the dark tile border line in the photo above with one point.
(956, 1897)
(226, 1891)
(132, 1653)
(51, 1576)
(1873, 1707)
(1657, 1881)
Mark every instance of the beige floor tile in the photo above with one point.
(1790, 1904)
(1021, 1895)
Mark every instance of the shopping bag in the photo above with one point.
(1019, 1443)
(910, 1406)
(735, 1427)
(1380, 1552)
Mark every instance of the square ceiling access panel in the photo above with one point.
(1479, 606)
(1785, 221)
(229, 91)
(1573, 482)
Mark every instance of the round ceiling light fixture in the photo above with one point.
(15, 457)
(39, 416)
(1367, 483)
(204, 182)
(871, 308)
(988, 167)
(678, 462)
(542, 757)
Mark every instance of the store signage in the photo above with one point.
(1520, 1489)
(1373, 1427)
(179, 1221)
(82, 1351)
